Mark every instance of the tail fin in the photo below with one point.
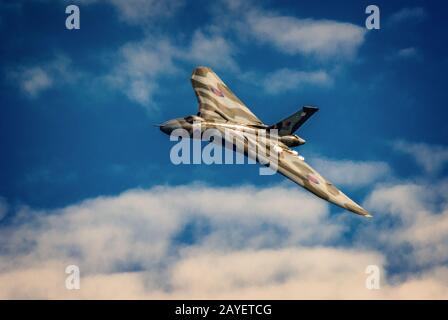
(289, 125)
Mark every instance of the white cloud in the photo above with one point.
(212, 50)
(422, 213)
(35, 79)
(122, 226)
(290, 273)
(287, 273)
(415, 14)
(432, 158)
(141, 11)
(139, 67)
(142, 64)
(247, 243)
(322, 38)
(319, 38)
(286, 80)
(407, 53)
(137, 228)
(352, 173)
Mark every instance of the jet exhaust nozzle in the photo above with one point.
(292, 140)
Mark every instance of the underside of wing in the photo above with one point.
(297, 170)
(217, 101)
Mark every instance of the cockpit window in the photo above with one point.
(191, 119)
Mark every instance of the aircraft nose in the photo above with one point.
(168, 127)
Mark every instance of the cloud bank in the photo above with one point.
(199, 241)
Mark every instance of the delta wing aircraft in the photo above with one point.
(221, 110)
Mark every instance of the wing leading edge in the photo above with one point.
(217, 101)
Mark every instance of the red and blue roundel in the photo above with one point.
(312, 178)
(217, 92)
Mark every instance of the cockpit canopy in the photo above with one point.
(191, 119)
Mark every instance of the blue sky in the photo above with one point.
(78, 108)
